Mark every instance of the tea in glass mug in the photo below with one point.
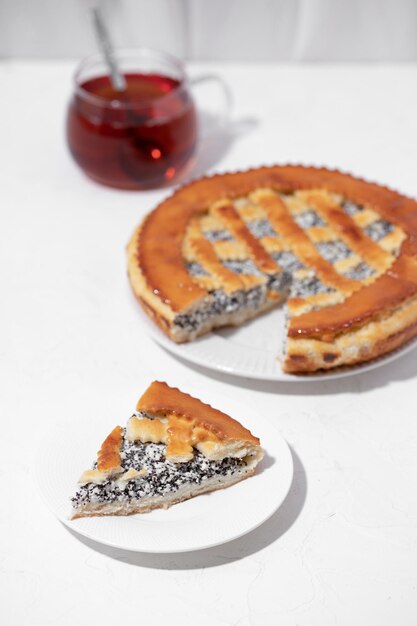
(140, 138)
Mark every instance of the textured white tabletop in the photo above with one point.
(342, 550)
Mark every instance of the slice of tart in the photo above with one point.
(341, 253)
(174, 447)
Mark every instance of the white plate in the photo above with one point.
(252, 350)
(201, 522)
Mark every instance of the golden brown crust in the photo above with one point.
(360, 344)
(231, 218)
(162, 284)
(92, 476)
(304, 364)
(160, 399)
(205, 254)
(379, 298)
(159, 255)
(347, 229)
(108, 457)
(279, 216)
(210, 256)
(180, 431)
(146, 430)
(161, 236)
(150, 301)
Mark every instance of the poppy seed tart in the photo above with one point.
(340, 251)
(173, 448)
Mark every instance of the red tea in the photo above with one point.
(140, 138)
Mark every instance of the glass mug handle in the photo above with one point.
(211, 122)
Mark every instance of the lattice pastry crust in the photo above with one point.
(340, 251)
(173, 448)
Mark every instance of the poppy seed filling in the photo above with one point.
(378, 229)
(286, 281)
(287, 260)
(221, 303)
(242, 267)
(308, 286)
(218, 235)
(334, 251)
(160, 477)
(195, 269)
(261, 228)
(351, 208)
(308, 219)
(360, 271)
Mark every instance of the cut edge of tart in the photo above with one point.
(173, 448)
(342, 253)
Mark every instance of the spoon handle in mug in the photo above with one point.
(117, 79)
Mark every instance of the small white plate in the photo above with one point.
(201, 522)
(252, 350)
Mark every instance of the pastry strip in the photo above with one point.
(231, 218)
(299, 242)
(348, 230)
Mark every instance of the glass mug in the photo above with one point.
(142, 138)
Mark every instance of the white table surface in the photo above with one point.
(343, 547)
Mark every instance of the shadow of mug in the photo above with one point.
(215, 143)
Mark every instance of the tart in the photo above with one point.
(339, 251)
(174, 447)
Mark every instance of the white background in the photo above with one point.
(342, 550)
(230, 30)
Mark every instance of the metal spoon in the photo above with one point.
(118, 81)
